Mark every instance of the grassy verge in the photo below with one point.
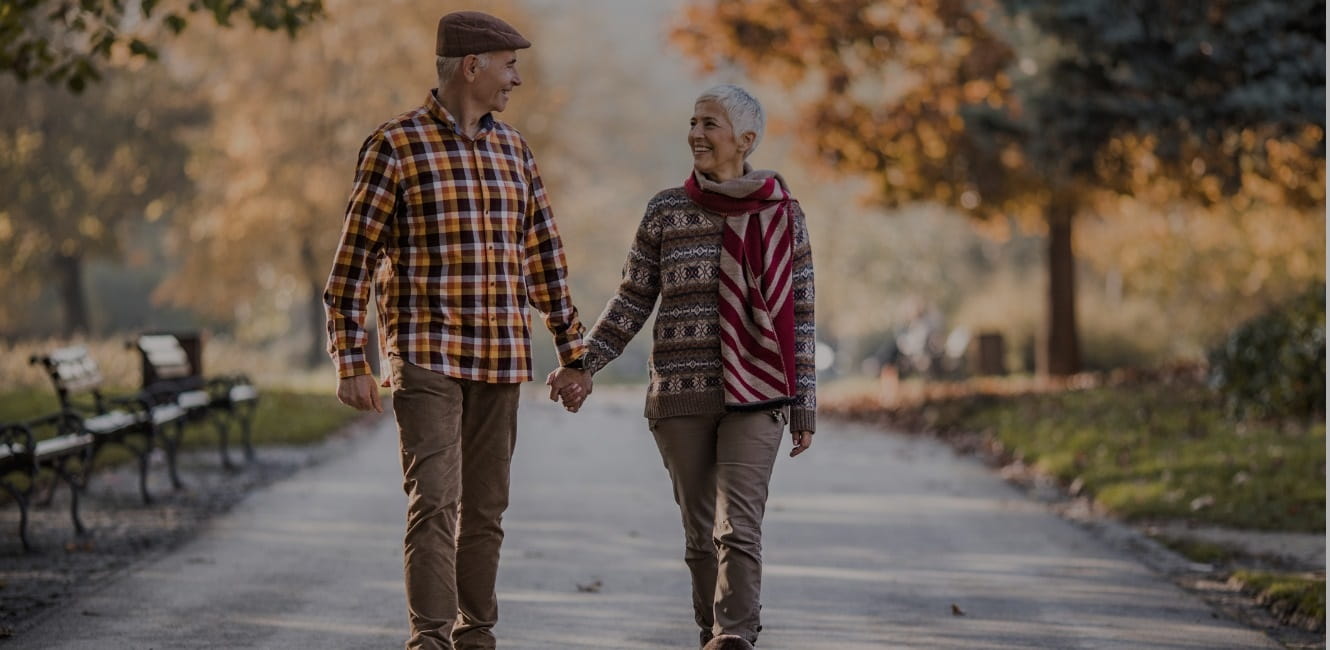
(1156, 450)
(1297, 600)
(1166, 452)
(287, 417)
(284, 417)
(1199, 551)
(1149, 451)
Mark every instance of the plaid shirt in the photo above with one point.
(460, 238)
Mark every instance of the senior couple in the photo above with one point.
(449, 222)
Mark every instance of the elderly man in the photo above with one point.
(449, 214)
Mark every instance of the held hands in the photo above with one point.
(359, 392)
(570, 385)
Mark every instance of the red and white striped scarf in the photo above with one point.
(756, 301)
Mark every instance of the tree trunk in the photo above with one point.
(73, 297)
(1062, 355)
(317, 353)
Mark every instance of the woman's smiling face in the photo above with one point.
(718, 153)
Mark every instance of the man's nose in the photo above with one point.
(517, 79)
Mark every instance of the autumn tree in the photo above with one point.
(78, 172)
(1032, 109)
(274, 167)
(73, 42)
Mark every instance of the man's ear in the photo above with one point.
(470, 67)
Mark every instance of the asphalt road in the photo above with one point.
(872, 541)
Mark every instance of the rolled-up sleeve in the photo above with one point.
(374, 198)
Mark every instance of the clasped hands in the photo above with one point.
(570, 385)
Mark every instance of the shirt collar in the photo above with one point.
(436, 109)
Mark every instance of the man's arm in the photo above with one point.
(547, 271)
(346, 296)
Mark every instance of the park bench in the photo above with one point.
(133, 422)
(171, 372)
(23, 456)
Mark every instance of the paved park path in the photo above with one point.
(870, 541)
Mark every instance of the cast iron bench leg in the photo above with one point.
(22, 500)
(74, 488)
(145, 458)
(246, 424)
(172, 445)
(222, 432)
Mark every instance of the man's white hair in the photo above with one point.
(744, 111)
(449, 65)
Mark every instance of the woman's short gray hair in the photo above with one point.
(744, 111)
(447, 65)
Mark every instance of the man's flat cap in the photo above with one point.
(472, 32)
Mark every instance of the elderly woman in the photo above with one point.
(728, 256)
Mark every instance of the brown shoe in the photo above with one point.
(728, 642)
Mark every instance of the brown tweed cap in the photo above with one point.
(473, 32)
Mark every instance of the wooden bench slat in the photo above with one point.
(193, 399)
(167, 357)
(62, 445)
(112, 421)
(243, 393)
(166, 413)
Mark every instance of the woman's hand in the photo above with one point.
(569, 385)
(802, 441)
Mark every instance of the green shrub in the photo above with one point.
(1274, 365)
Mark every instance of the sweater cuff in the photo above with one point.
(803, 420)
(592, 362)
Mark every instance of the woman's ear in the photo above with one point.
(746, 142)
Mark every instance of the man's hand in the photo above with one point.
(570, 385)
(359, 392)
(802, 441)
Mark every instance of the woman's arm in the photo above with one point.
(803, 411)
(635, 299)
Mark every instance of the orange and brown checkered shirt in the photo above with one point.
(460, 239)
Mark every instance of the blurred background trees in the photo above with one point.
(73, 42)
(272, 170)
(1041, 111)
(1122, 184)
(83, 176)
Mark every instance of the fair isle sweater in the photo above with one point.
(676, 258)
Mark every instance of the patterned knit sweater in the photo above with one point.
(675, 257)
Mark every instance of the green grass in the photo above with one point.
(1198, 551)
(284, 417)
(1167, 452)
(1296, 599)
(298, 418)
(27, 403)
(1147, 452)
